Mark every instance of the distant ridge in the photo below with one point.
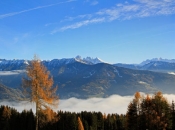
(7, 93)
(157, 59)
(7, 65)
(155, 64)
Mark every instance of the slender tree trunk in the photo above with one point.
(36, 115)
(36, 104)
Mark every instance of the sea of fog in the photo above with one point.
(113, 104)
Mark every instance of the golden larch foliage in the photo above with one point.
(39, 86)
(80, 124)
(104, 116)
(137, 96)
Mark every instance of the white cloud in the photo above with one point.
(79, 24)
(125, 11)
(94, 3)
(84, 16)
(113, 104)
(11, 72)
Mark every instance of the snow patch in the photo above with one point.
(85, 77)
(142, 82)
(90, 74)
(26, 62)
(155, 64)
(108, 74)
(116, 71)
(173, 73)
(113, 81)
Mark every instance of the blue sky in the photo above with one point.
(116, 31)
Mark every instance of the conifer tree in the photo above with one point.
(173, 115)
(155, 112)
(131, 116)
(133, 113)
(4, 118)
(161, 110)
(39, 87)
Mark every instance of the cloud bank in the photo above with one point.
(14, 72)
(113, 104)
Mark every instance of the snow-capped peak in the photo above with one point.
(93, 60)
(88, 60)
(78, 58)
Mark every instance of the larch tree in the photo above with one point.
(137, 98)
(160, 112)
(80, 124)
(5, 114)
(39, 87)
(151, 113)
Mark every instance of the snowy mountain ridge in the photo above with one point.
(4, 61)
(89, 60)
(145, 65)
(16, 64)
(156, 60)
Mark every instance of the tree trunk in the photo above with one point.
(36, 115)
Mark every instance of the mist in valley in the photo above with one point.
(113, 104)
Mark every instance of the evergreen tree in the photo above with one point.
(121, 122)
(173, 115)
(100, 121)
(145, 116)
(5, 117)
(155, 113)
(133, 113)
(14, 120)
(131, 116)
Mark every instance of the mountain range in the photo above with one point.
(92, 77)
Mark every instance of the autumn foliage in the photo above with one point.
(149, 113)
(39, 87)
(80, 124)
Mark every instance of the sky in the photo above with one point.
(116, 31)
